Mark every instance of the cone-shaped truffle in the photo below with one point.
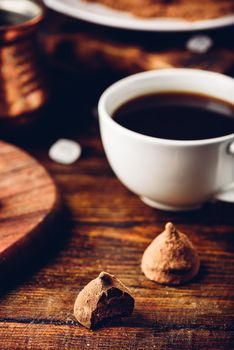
(170, 258)
(103, 298)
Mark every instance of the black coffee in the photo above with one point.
(177, 116)
(8, 18)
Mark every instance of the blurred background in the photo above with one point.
(80, 59)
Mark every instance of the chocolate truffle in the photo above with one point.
(101, 299)
(170, 258)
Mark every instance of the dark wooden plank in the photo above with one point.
(77, 46)
(109, 229)
(44, 336)
(99, 54)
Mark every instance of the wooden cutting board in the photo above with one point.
(28, 201)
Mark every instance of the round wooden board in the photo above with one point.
(28, 200)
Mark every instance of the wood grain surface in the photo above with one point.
(28, 201)
(108, 229)
(77, 46)
(98, 53)
(105, 227)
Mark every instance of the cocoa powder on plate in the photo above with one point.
(191, 10)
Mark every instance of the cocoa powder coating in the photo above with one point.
(103, 298)
(191, 10)
(171, 258)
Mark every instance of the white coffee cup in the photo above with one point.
(168, 174)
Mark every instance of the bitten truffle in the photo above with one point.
(170, 258)
(103, 298)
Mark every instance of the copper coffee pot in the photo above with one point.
(23, 91)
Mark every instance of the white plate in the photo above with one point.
(103, 15)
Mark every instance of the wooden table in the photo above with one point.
(105, 227)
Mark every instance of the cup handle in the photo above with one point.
(227, 194)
